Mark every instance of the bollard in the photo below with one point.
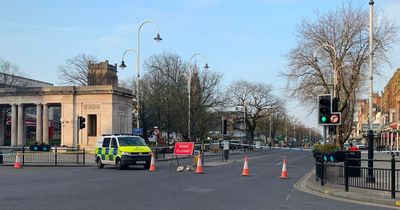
(77, 156)
(55, 155)
(393, 180)
(23, 155)
(84, 156)
(322, 172)
(346, 175)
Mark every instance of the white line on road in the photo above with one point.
(287, 198)
(278, 164)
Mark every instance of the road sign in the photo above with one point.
(334, 118)
(183, 148)
(156, 131)
(137, 131)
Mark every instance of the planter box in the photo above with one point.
(337, 156)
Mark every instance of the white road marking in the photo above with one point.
(287, 198)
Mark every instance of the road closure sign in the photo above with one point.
(183, 148)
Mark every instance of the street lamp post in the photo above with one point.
(370, 177)
(189, 87)
(157, 38)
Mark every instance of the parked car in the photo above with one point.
(360, 145)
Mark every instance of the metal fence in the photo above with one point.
(351, 173)
(54, 157)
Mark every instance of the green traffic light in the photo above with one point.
(323, 119)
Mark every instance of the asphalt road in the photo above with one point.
(220, 187)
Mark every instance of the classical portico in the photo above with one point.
(106, 108)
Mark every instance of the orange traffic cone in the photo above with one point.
(17, 163)
(245, 167)
(152, 163)
(284, 172)
(199, 169)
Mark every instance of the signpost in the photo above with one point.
(182, 148)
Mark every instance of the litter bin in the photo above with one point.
(354, 163)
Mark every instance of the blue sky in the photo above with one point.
(242, 39)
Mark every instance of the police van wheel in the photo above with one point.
(99, 164)
(120, 166)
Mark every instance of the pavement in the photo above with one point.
(376, 198)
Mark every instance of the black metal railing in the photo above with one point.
(54, 157)
(352, 173)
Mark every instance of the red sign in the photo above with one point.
(334, 118)
(183, 148)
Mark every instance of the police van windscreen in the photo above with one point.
(131, 141)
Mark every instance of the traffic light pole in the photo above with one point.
(325, 134)
(77, 132)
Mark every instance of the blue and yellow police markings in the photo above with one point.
(107, 153)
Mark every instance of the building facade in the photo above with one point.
(386, 116)
(106, 108)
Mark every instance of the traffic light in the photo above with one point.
(81, 122)
(324, 108)
(326, 114)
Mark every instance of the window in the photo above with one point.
(106, 142)
(131, 141)
(114, 143)
(92, 125)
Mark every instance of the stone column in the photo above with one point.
(39, 125)
(13, 125)
(2, 126)
(45, 123)
(21, 123)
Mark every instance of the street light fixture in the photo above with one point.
(189, 87)
(122, 66)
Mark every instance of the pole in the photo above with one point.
(270, 129)
(189, 87)
(138, 67)
(222, 138)
(370, 177)
(138, 76)
(189, 92)
(325, 134)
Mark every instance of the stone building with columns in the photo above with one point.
(106, 108)
(35, 111)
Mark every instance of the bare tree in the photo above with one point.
(164, 94)
(257, 100)
(344, 32)
(273, 125)
(10, 75)
(76, 70)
